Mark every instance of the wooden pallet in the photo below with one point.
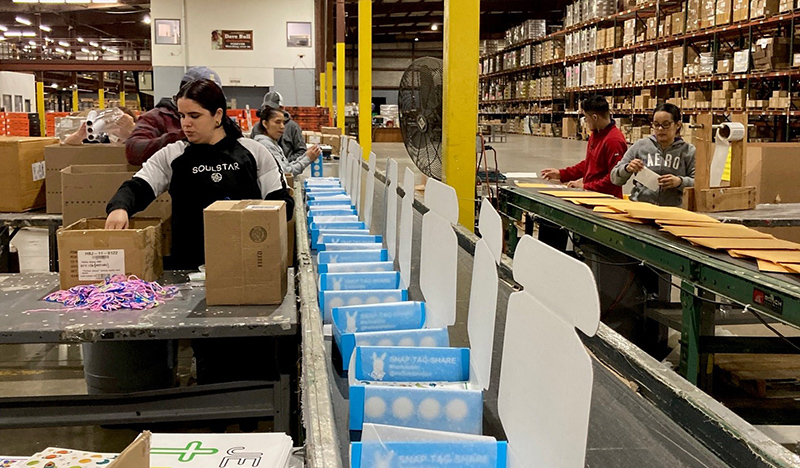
(762, 375)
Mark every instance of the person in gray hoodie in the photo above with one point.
(666, 154)
(292, 141)
(274, 125)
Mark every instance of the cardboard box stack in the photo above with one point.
(332, 136)
(58, 157)
(770, 53)
(638, 68)
(721, 98)
(651, 31)
(741, 61)
(246, 252)
(738, 99)
(644, 101)
(650, 65)
(724, 12)
(692, 15)
(88, 252)
(707, 14)
(786, 6)
(724, 66)
(664, 65)
(22, 173)
(677, 62)
(763, 8)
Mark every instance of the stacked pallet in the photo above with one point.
(16, 124)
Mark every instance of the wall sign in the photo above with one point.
(231, 40)
(298, 34)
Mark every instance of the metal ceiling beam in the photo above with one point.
(74, 65)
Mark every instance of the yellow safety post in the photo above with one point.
(340, 65)
(365, 76)
(40, 107)
(322, 90)
(122, 98)
(460, 105)
(101, 98)
(75, 101)
(329, 89)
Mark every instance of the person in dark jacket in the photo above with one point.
(292, 142)
(216, 163)
(161, 126)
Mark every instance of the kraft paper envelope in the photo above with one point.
(605, 210)
(733, 231)
(754, 244)
(530, 185)
(658, 213)
(624, 218)
(683, 222)
(599, 201)
(774, 256)
(770, 267)
(575, 194)
(792, 266)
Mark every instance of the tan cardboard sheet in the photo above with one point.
(576, 194)
(746, 244)
(774, 256)
(770, 267)
(624, 218)
(733, 231)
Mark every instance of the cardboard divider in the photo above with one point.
(391, 207)
(406, 228)
(369, 195)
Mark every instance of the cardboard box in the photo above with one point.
(58, 157)
(88, 252)
(774, 168)
(246, 250)
(22, 173)
(724, 12)
(86, 190)
(331, 131)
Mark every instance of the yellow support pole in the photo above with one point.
(365, 77)
(340, 87)
(460, 105)
(75, 101)
(329, 89)
(101, 98)
(322, 87)
(122, 98)
(40, 107)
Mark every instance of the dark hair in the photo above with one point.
(268, 112)
(672, 109)
(596, 104)
(210, 97)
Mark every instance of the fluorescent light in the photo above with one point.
(45, 28)
(104, 1)
(3, 28)
(33, 43)
(63, 44)
(94, 44)
(146, 19)
(85, 50)
(12, 34)
(54, 86)
(112, 50)
(60, 50)
(26, 1)
(28, 34)
(434, 27)
(416, 39)
(79, 1)
(80, 39)
(104, 47)
(51, 1)
(22, 20)
(69, 52)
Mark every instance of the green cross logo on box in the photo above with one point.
(187, 453)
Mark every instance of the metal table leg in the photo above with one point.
(52, 244)
(698, 320)
(5, 241)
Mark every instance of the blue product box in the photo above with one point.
(359, 281)
(323, 194)
(316, 167)
(353, 256)
(346, 225)
(401, 364)
(350, 238)
(429, 454)
(364, 267)
(425, 337)
(335, 212)
(332, 201)
(379, 317)
(315, 234)
(330, 299)
(439, 409)
(339, 206)
(337, 247)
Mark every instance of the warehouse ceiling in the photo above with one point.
(122, 20)
(398, 20)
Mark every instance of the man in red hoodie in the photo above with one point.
(606, 147)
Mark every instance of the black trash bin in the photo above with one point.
(130, 366)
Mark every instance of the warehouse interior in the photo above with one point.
(573, 226)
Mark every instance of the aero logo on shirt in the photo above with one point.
(668, 161)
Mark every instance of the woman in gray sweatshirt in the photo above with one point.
(273, 123)
(666, 154)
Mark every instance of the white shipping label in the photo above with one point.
(96, 265)
(38, 170)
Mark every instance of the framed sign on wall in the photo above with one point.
(231, 40)
(168, 31)
(298, 34)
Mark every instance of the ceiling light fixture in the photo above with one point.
(26, 1)
(51, 1)
(94, 44)
(434, 27)
(63, 44)
(79, 1)
(60, 50)
(104, 1)
(80, 39)
(55, 86)
(85, 50)
(28, 34)
(416, 39)
(22, 20)
(147, 19)
(33, 43)
(3, 28)
(12, 34)
(45, 28)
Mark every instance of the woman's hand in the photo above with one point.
(669, 181)
(117, 219)
(635, 166)
(550, 174)
(314, 153)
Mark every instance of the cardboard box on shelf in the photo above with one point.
(740, 10)
(724, 12)
(246, 252)
(707, 14)
(57, 157)
(650, 65)
(639, 68)
(331, 131)
(652, 28)
(741, 61)
(677, 62)
(724, 66)
(764, 8)
(785, 6)
(774, 168)
(22, 173)
(678, 23)
(569, 127)
(88, 252)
